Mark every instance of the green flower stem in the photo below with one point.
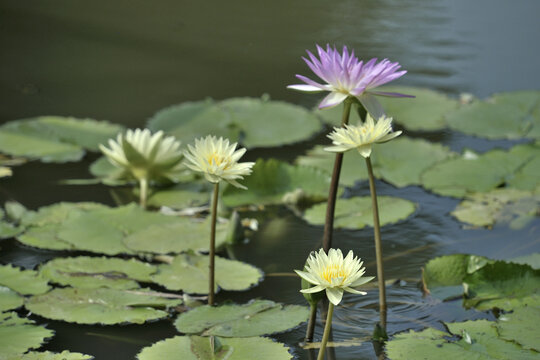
(143, 183)
(378, 245)
(327, 329)
(311, 324)
(212, 245)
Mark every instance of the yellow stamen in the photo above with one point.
(333, 271)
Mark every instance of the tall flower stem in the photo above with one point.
(378, 245)
(143, 183)
(212, 245)
(311, 324)
(331, 204)
(327, 329)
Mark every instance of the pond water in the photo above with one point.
(124, 60)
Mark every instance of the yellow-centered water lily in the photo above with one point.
(362, 136)
(334, 274)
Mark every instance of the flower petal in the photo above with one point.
(372, 105)
(334, 295)
(332, 99)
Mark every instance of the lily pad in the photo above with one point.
(502, 285)
(274, 182)
(466, 340)
(526, 177)
(94, 272)
(427, 111)
(533, 260)
(100, 305)
(189, 273)
(511, 115)
(17, 335)
(356, 213)
(47, 355)
(192, 348)
(9, 299)
(8, 231)
(510, 206)
(521, 326)
(259, 317)
(181, 195)
(253, 122)
(25, 282)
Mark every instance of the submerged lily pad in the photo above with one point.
(274, 182)
(467, 340)
(189, 273)
(512, 115)
(254, 122)
(17, 335)
(511, 206)
(54, 138)
(427, 111)
(521, 326)
(25, 282)
(47, 355)
(193, 347)
(94, 272)
(259, 317)
(100, 306)
(9, 299)
(356, 213)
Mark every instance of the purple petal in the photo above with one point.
(372, 105)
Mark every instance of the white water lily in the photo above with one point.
(218, 160)
(334, 274)
(363, 136)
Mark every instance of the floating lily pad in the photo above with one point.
(443, 276)
(193, 347)
(189, 273)
(181, 195)
(505, 116)
(100, 306)
(9, 299)
(355, 212)
(526, 177)
(472, 172)
(47, 355)
(274, 182)
(533, 260)
(8, 230)
(467, 340)
(426, 111)
(94, 272)
(502, 285)
(183, 235)
(510, 206)
(25, 282)
(521, 326)
(17, 335)
(255, 122)
(260, 317)
(54, 138)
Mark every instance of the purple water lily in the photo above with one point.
(346, 76)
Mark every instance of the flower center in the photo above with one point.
(333, 271)
(216, 159)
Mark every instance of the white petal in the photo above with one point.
(304, 87)
(372, 105)
(332, 99)
(334, 295)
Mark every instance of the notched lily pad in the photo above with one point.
(47, 355)
(17, 335)
(197, 348)
(274, 182)
(521, 326)
(9, 299)
(25, 282)
(94, 272)
(100, 306)
(356, 213)
(189, 273)
(260, 317)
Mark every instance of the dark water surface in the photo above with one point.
(124, 60)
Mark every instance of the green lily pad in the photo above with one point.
(8, 230)
(511, 115)
(467, 340)
(511, 206)
(94, 272)
(521, 326)
(533, 260)
(472, 172)
(47, 355)
(260, 317)
(17, 335)
(189, 273)
(9, 299)
(193, 347)
(355, 212)
(183, 235)
(25, 282)
(100, 305)
(425, 112)
(502, 285)
(181, 195)
(526, 177)
(274, 182)
(254, 122)
(443, 276)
